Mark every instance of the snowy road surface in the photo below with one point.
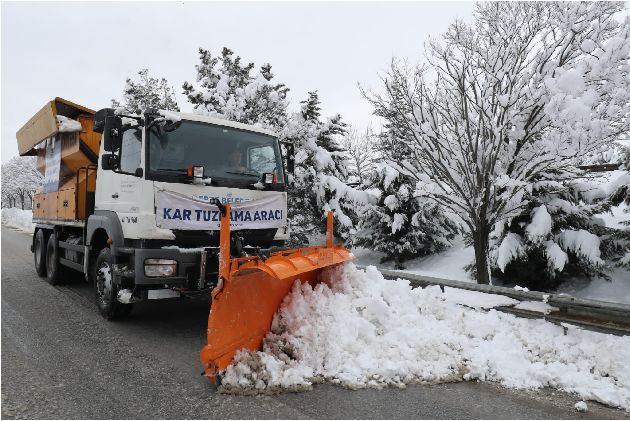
(61, 360)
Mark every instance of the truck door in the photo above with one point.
(120, 190)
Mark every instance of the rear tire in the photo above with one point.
(39, 253)
(106, 291)
(55, 272)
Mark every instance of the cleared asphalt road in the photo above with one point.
(60, 359)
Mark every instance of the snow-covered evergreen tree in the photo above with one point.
(330, 133)
(560, 236)
(320, 168)
(147, 92)
(400, 225)
(228, 89)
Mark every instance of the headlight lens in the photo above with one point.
(160, 267)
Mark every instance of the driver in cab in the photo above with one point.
(235, 164)
(234, 161)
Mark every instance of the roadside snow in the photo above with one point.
(478, 300)
(537, 306)
(358, 330)
(18, 218)
(617, 290)
(581, 406)
(448, 264)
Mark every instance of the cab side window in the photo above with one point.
(131, 150)
(262, 159)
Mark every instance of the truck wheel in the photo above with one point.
(55, 272)
(39, 253)
(106, 290)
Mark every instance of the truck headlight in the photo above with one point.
(160, 267)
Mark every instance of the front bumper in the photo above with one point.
(188, 267)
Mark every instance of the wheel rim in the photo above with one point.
(104, 283)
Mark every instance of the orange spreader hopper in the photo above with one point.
(250, 291)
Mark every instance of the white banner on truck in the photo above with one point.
(176, 211)
(53, 165)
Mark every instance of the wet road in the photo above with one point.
(60, 359)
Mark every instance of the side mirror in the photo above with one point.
(109, 161)
(99, 119)
(110, 125)
(171, 125)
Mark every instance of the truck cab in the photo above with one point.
(151, 224)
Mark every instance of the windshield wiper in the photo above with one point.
(242, 173)
(173, 169)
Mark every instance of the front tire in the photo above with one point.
(106, 290)
(39, 253)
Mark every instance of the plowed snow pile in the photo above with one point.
(360, 330)
(18, 218)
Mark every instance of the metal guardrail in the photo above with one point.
(600, 167)
(594, 315)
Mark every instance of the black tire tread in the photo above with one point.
(41, 268)
(56, 274)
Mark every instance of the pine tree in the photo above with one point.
(321, 165)
(330, 133)
(147, 92)
(558, 235)
(227, 89)
(399, 224)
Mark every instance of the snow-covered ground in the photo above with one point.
(616, 290)
(18, 218)
(448, 264)
(360, 330)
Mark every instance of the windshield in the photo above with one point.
(230, 157)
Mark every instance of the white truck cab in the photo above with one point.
(153, 160)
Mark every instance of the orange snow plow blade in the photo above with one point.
(250, 292)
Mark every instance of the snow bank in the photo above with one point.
(18, 218)
(537, 306)
(360, 330)
(448, 264)
(581, 406)
(615, 290)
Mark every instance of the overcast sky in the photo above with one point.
(84, 51)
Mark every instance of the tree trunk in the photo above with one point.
(480, 240)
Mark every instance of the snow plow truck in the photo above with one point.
(165, 204)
